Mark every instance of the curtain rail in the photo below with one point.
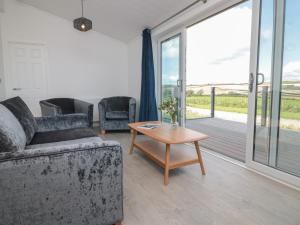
(179, 12)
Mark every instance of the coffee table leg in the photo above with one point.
(199, 157)
(133, 136)
(167, 162)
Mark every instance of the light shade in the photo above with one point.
(83, 24)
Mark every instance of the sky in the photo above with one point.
(291, 61)
(170, 60)
(218, 49)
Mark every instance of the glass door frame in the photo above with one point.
(276, 68)
(181, 29)
(161, 36)
(182, 76)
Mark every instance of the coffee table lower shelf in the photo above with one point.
(180, 155)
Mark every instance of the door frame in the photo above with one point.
(181, 28)
(9, 82)
(182, 67)
(265, 170)
(250, 164)
(7, 65)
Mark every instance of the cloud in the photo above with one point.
(170, 49)
(173, 77)
(291, 71)
(218, 48)
(170, 79)
(267, 34)
(235, 55)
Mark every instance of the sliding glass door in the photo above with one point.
(274, 139)
(288, 149)
(217, 70)
(272, 133)
(171, 72)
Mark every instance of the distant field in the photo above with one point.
(290, 108)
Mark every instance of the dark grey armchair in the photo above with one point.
(65, 106)
(116, 112)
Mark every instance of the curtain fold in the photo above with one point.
(148, 107)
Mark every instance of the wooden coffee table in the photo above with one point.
(158, 147)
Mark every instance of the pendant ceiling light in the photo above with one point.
(83, 24)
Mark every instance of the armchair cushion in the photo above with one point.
(62, 135)
(12, 135)
(117, 115)
(21, 111)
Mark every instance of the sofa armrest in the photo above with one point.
(62, 122)
(84, 107)
(132, 110)
(71, 183)
(58, 148)
(49, 109)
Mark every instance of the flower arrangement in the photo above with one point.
(170, 107)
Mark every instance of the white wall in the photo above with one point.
(135, 69)
(87, 66)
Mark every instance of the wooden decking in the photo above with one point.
(225, 137)
(229, 138)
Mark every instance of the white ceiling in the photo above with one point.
(120, 19)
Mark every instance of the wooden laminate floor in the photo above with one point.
(227, 195)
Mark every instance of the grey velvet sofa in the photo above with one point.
(65, 106)
(55, 170)
(116, 112)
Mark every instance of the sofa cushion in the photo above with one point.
(12, 135)
(62, 135)
(116, 115)
(21, 111)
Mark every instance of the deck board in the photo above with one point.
(225, 137)
(229, 138)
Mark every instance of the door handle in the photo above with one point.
(251, 82)
(179, 85)
(263, 78)
(17, 89)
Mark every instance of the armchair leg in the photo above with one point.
(102, 132)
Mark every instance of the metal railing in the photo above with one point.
(263, 92)
(264, 103)
(213, 98)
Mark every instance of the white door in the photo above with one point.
(27, 77)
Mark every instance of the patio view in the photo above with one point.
(217, 87)
(217, 80)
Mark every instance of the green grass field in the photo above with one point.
(290, 108)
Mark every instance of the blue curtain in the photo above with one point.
(148, 107)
